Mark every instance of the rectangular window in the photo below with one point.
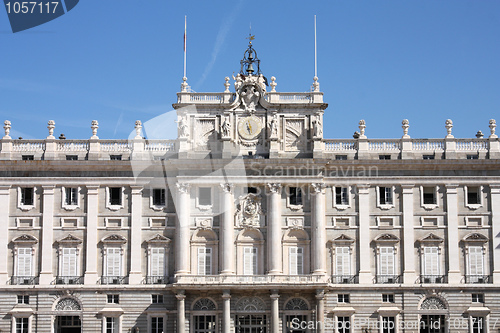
(296, 260)
(472, 157)
(386, 261)
(22, 325)
(429, 221)
(249, 260)
(476, 266)
(204, 261)
(159, 197)
(113, 261)
(295, 196)
(341, 157)
(115, 196)
(24, 261)
(112, 325)
(386, 222)
(27, 196)
(23, 299)
(71, 196)
(341, 222)
(429, 195)
(431, 263)
(343, 298)
(252, 190)
(25, 223)
(343, 324)
(157, 325)
(384, 157)
(115, 157)
(205, 196)
(69, 223)
(428, 157)
(69, 262)
(473, 197)
(71, 157)
(113, 223)
(27, 157)
(478, 325)
(388, 325)
(388, 298)
(385, 195)
(477, 298)
(208, 324)
(157, 262)
(342, 196)
(342, 261)
(156, 299)
(157, 222)
(113, 298)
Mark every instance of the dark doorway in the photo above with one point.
(68, 324)
(432, 324)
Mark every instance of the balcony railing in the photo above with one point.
(68, 280)
(433, 279)
(250, 279)
(477, 279)
(113, 280)
(345, 279)
(156, 280)
(24, 280)
(388, 279)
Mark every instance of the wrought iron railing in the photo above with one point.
(477, 279)
(388, 279)
(113, 280)
(24, 280)
(156, 280)
(345, 279)
(433, 279)
(68, 280)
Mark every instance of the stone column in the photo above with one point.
(495, 223)
(275, 315)
(181, 312)
(4, 233)
(320, 312)
(318, 229)
(135, 275)
(274, 230)
(227, 230)
(409, 236)
(365, 272)
(182, 264)
(454, 275)
(46, 274)
(91, 234)
(226, 315)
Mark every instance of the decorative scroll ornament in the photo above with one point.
(204, 304)
(274, 187)
(248, 211)
(296, 304)
(183, 187)
(433, 303)
(318, 187)
(250, 304)
(67, 304)
(227, 187)
(295, 223)
(204, 223)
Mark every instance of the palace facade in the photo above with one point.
(250, 222)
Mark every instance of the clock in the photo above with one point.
(249, 127)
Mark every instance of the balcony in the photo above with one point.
(68, 280)
(156, 280)
(433, 279)
(250, 279)
(345, 279)
(24, 280)
(388, 279)
(113, 280)
(478, 279)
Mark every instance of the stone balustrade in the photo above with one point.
(228, 97)
(251, 279)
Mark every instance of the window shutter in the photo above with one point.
(431, 260)
(343, 265)
(113, 262)
(249, 260)
(24, 264)
(476, 260)
(293, 260)
(386, 261)
(388, 195)
(204, 261)
(157, 261)
(68, 262)
(345, 198)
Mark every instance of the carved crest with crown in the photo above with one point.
(249, 211)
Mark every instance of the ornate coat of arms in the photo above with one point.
(248, 211)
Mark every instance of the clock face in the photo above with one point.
(249, 128)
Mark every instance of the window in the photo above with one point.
(113, 223)
(429, 195)
(69, 223)
(386, 268)
(156, 299)
(205, 196)
(341, 157)
(207, 324)
(385, 222)
(71, 157)
(113, 261)
(430, 264)
(24, 223)
(388, 325)
(295, 196)
(474, 222)
(473, 195)
(343, 324)
(428, 157)
(113, 298)
(27, 196)
(472, 157)
(476, 264)
(296, 257)
(157, 325)
(24, 262)
(157, 262)
(204, 261)
(115, 157)
(23, 299)
(22, 325)
(384, 157)
(157, 222)
(158, 197)
(115, 196)
(27, 157)
(385, 196)
(342, 261)
(252, 190)
(478, 324)
(341, 222)
(477, 298)
(343, 298)
(71, 196)
(112, 325)
(341, 196)
(68, 263)
(249, 260)
(429, 221)
(388, 298)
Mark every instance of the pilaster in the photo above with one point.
(91, 234)
(365, 272)
(227, 229)
(409, 237)
(274, 228)
(318, 229)
(454, 275)
(4, 233)
(135, 275)
(495, 225)
(46, 274)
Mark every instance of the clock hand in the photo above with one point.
(249, 128)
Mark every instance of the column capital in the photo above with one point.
(407, 188)
(274, 187)
(180, 295)
(48, 189)
(226, 295)
(274, 296)
(227, 187)
(318, 188)
(4, 189)
(183, 187)
(92, 189)
(320, 294)
(494, 188)
(451, 188)
(136, 189)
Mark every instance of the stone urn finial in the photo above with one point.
(315, 84)
(7, 128)
(449, 126)
(493, 125)
(362, 126)
(51, 126)
(94, 126)
(138, 128)
(273, 84)
(184, 84)
(226, 84)
(405, 125)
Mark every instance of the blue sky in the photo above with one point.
(121, 60)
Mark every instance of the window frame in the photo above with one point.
(111, 206)
(152, 203)
(20, 204)
(473, 206)
(427, 206)
(386, 205)
(64, 203)
(201, 206)
(298, 256)
(289, 204)
(342, 205)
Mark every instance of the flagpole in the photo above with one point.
(185, 35)
(315, 50)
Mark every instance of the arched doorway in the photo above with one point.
(68, 319)
(296, 313)
(251, 316)
(433, 315)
